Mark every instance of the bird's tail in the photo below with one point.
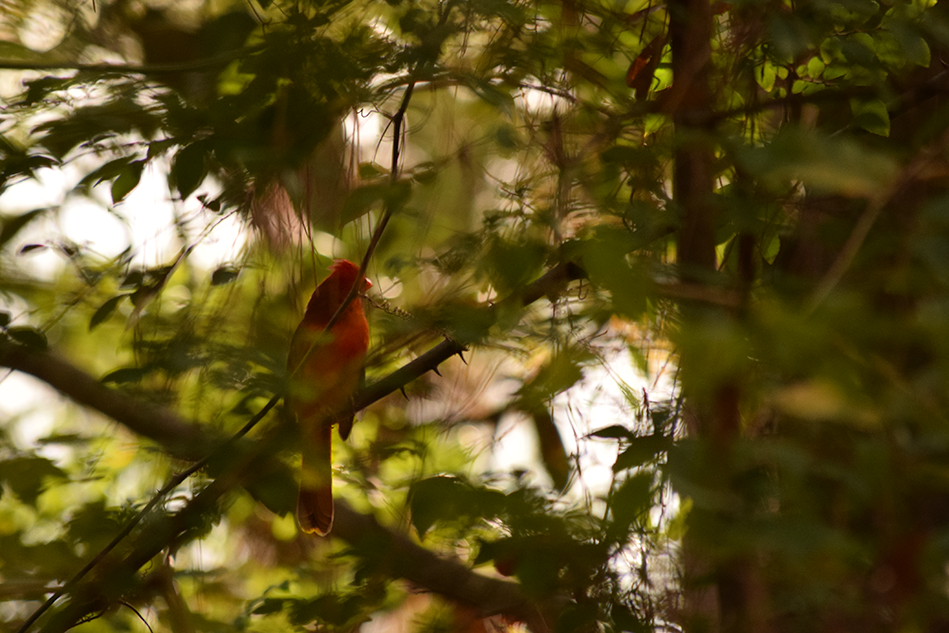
(315, 503)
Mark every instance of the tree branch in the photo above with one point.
(404, 558)
(183, 440)
(189, 441)
(488, 596)
(205, 63)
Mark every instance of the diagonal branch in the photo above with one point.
(189, 441)
(181, 439)
(405, 559)
(488, 596)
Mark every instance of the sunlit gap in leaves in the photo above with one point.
(155, 228)
(45, 26)
(144, 221)
(611, 392)
(540, 100)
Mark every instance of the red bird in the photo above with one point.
(331, 369)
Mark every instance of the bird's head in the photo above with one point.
(344, 274)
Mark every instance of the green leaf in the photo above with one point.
(606, 258)
(559, 374)
(871, 115)
(134, 279)
(630, 156)
(506, 137)
(913, 45)
(11, 51)
(538, 574)
(493, 94)
(41, 87)
(95, 525)
(425, 172)
(331, 609)
(465, 324)
(27, 476)
(28, 336)
(369, 170)
(362, 199)
(276, 490)
(92, 124)
(512, 264)
(105, 311)
(435, 499)
(13, 225)
(552, 451)
(20, 163)
(127, 181)
(788, 37)
(824, 164)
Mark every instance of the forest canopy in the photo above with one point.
(658, 318)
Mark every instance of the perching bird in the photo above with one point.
(325, 370)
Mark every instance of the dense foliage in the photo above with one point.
(665, 287)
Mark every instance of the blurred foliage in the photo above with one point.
(778, 460)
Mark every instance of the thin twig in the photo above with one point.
(866, 221)
(177, 479)
(173, 483)
(397, 121)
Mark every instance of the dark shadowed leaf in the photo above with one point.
(828, 165)
(188, 168)
(632, 498)
(127, 180)
(332, 609)
(641, 450)
(29, 248)
(615, 432)
(126, 375)
(268, 606)
(13, 225)
(105, 311)
(552, 452)
(28, 336)
(224, 275)
(108, 171)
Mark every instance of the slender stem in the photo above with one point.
(398, 120)
(174, 482)
(550, 283)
